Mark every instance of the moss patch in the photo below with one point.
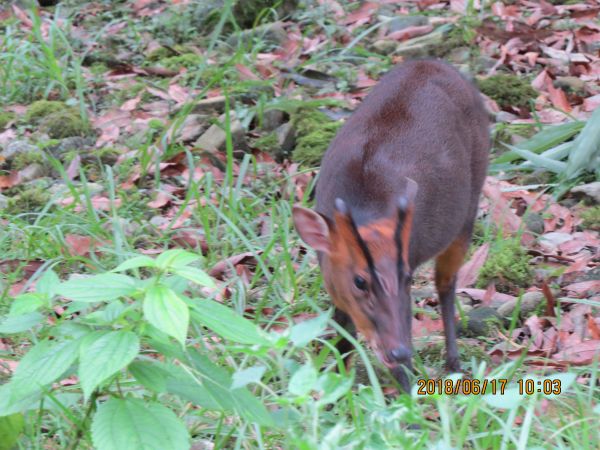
(24, 159)
(188, 60)
(37, 111)
(247, 12)
(433, 355)
(591, 218)
(508, 90)
(314, 132)
(507, 265)
(64, 123)
(25, 200)
(5, 118)
(267, 143)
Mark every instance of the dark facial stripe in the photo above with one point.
(378, 289)
(398, 238)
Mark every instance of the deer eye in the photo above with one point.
(360, 283)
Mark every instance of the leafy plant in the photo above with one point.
(112, 323)
(551, 149)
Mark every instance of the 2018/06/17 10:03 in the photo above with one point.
(527, 386)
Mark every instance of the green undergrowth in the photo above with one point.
(507, 265)
(314, 133)
(202, 321)
(508, 90)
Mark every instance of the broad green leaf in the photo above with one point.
(243, 377)
(150, 374)
(135, 263)
(196, 275)
(47, 284)
(227, 323)
(133, 424)
(181, 383)
(19, 396)
(42, 365)
(104, 356)
(17, 324)
(557, 153)
(304, 332)
(540, 161)
(166, 311)
(176, 258)
(509, 399)
(104, 287)
(303, 380)
(46, 362)
(26, 303)
(10, 429)
(586, 148)
(333, 386)
(217, 381)
(549, 137)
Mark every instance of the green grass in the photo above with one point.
(293, 373)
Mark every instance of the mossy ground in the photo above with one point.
(507, 265)
(267, 143)
(23, 159)
(314, 133)
(41, 109)
(433, 355)
(591, 218)
(64, 123)
(26, 199)
(5, 118)
(508, 90)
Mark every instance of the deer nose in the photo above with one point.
(400, 354)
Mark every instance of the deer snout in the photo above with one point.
(400, 355)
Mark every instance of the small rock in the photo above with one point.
(481, 321)
(286, 137)
(535, 223)
(32, 172)
(423, 292)
(214, 138)
(423, 45)
(203, 444)
(506, 309)
(211, 105)
(384, 46)
(192, 128)
(459, 55)
(591, 190)
(159, 221)
(3, 201)
(271, 33)
(401, 23)
(466, 309)
(15, 148)
(550, 241)
(484, 63)
(272, 118)
(530, 302)
(69, 144)
(505, 117)
(573, 83)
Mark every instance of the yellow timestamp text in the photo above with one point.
(461, 386)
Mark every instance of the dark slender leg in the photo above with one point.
(343, 345)
(446, 268)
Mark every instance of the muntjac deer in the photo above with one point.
(399, 185)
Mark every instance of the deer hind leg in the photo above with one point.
(446, 268)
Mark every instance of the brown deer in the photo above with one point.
(399, 185)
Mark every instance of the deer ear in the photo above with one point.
(407, 200)
(312, 228)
